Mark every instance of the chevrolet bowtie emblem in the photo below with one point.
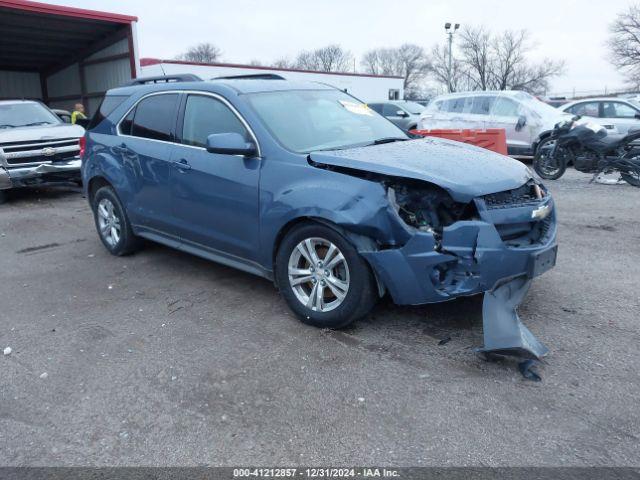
(48, 151)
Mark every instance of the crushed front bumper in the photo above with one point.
(472, 257)
(43, 174)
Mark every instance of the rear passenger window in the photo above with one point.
(154, 117)
(376, 107)
(204, 116)
(455, 105)
(481, 105)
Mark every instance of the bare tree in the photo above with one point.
(283, 63)
(409, 61)
(624, 43)
(202, 53)
(477, 55)
(332, 58)
(487, 61)
(454, 80)
(256, 63)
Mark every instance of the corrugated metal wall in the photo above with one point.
(64, 88)
(20, 85)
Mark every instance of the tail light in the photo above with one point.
(82, 143)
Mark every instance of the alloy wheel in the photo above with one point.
(109, 222)
(318, 274)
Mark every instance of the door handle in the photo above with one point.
(182, 164)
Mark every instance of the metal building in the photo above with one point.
(63, 55)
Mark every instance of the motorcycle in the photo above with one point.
(590, 149)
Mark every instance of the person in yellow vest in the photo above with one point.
(78, 113)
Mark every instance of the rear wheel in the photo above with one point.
(632, 174)
(3, 196)
(548, 164)
(322, 277)
(113, 224)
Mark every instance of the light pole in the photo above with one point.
(450, 32)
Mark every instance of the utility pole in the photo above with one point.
(450, 32)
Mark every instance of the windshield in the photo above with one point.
(307, 120)
(412, 107)
(25, 114)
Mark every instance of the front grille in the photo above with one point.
(524, 195)
(39, 151)
(525, 234)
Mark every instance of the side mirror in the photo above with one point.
(637, 116)
(522, 121)
(230, 144)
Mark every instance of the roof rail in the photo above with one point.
(252, 76)
(183, 77)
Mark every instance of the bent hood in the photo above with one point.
(40, 132)
(465, 171)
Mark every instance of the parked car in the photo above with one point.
(403, 113)
(522, 116)
(36, 147)
(303, 184)
(618, 115)
(63, 115)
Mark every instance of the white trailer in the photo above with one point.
(368, 88)
(63, 55)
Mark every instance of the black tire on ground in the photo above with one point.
(632, 177)
(539, 166)
(3, 196)
(362, 292)
(127, 242)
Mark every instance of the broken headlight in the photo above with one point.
(428, 207)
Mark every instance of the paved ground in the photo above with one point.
(163, 358)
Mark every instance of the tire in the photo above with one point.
(3, 196)
(541, 163)
(632, 177)
(335, 310)
(107, 210)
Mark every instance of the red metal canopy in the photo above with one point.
(67, 11)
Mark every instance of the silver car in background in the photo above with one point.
(521, 115)
(403, 113)
(617, 115)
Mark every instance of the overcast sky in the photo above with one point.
(573, 30)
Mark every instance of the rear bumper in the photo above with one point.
(470, 258)
(48, 173)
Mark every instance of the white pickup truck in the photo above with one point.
(36, 147)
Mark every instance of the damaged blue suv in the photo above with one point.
(305, 185)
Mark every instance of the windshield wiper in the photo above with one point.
(33, 124)
(8, 125)
(380, 141)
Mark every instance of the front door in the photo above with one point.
(505, 113)
(215, 196)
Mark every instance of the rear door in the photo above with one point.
(145, 144)
(215, 196)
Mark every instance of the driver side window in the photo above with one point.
(204, 116)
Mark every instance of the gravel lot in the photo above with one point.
(162, 358)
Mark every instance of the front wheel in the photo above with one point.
(550, 162)
(322, 277)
